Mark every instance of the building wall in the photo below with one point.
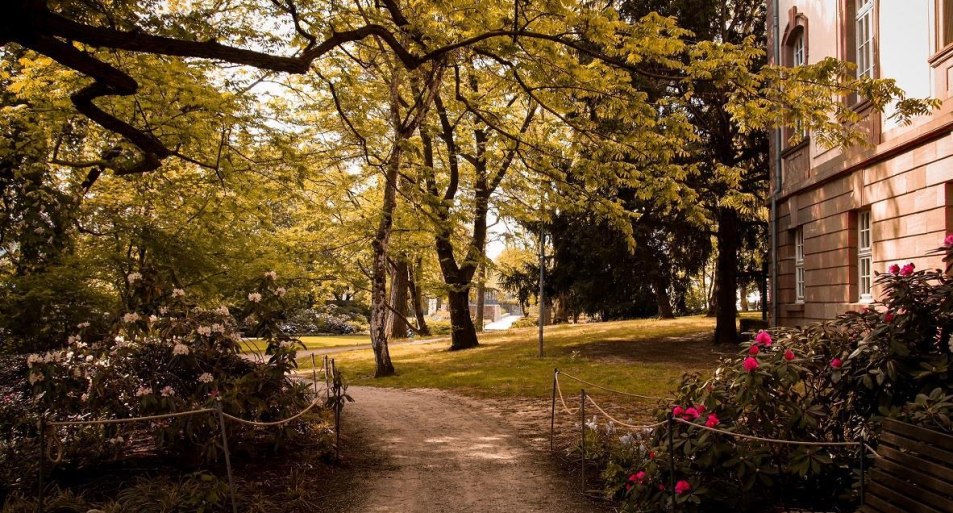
(904, 178)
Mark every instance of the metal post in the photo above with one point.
(228, 458)
(552, 417)
(863, 456)
(582, 416)
(39, 488)
(327, 382)
(314, 376)
(671, 455)
(542, 281)
(337, 412)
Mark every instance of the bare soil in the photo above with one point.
(417, 451)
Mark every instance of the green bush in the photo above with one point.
(828, 382)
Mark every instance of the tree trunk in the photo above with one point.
(661, 297)
(379, 310)
(743, 298)
(397, 325)
(726, 278)
(480, 297)
(417, 300)
(463, 335)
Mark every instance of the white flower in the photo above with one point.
(82, 325)
(167, 391)
(72, 339)
(134, 277)
(163, 310)
(217, 328)
(143, 390)
(178, 293)
(153, 318)
(627, 439)
(206, 378)
(130, 317)
(33, 359)
(84, 397)
(254, 297)
(89, 358)
(204, 331)
(35, 377)
(222, 310)
(119, 339)
(593, 424)
(271, 275)
(180, 349)
(39, 230)
(280, 292)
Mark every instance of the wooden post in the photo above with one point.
(39, 488)
(863, 456)
(314, 376)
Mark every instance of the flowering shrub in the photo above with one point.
(330, 320)
(182, 358)
(827, 382)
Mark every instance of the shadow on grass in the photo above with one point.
(687, 350)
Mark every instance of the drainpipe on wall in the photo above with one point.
(773, 222)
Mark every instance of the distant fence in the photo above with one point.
(585, 398)
(334, 396)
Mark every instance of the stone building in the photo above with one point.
(840, 216)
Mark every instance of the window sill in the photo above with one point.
(794, 148)
(941, 56)
(794, 307)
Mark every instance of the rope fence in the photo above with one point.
(862, 446)
(332, 384)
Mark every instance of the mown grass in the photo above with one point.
(320, 342)
(642, 356)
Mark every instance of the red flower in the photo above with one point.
(213, 394)
(893, 269)
(753, 350)
(888, 317)
(948, 241)
(700, 408)
(651, 455)
(712, 420)
(763, 337)
(789, 355)
(678, 411)
(691, 414)
(837, 363)
(638, 477)
(661, 487)
(750, 364)
(907, 270)
(682, 487)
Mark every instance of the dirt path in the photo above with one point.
(426, 451)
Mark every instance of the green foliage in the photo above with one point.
(827, 382)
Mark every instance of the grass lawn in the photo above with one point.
(322, 342)
(643, 356)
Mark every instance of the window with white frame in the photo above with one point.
(799, 265)
(797, 50)
(864, 38)
(864, 257)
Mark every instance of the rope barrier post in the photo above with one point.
(337, 412)
(552, 417)
(327, 383)
(228, 458)
(671, 455)
(863, 456)
(314, 375)
(39, 488)
(582, 418)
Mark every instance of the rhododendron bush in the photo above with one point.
(828, 382)
(172, 357)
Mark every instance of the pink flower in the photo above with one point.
(691, 414)
(750, 364)
(888, 317)
(893, 269)
(907, 270)
(837, 363)
(948, 241)
(638, 477)
(678, 411)
(701, 408)
(712, 420)
(763, 337)
(754, 349)
(789, 355)
(682, 487)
